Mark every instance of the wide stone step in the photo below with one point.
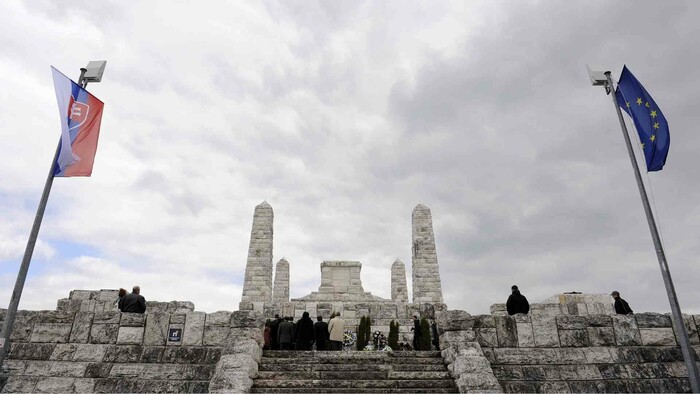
(308, 367)
(354, 375)
(350, 360)
(349, 354)
(332, 384)
(353, 390)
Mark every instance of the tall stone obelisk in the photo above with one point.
(280, 293)
(399, 289)
(257, 285)
(427, 286)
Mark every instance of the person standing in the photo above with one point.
(134, 301)
(434, 332)
(285, 334)
(304, 332)
(120, 298)
(274, 325)
(621, 306)
(517, 303)
(266, 336)
(320, 333)
(416, 333)
(336, 330)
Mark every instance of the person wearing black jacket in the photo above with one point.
(274, 325)
(416, 333)
(517, 303)
(320, 333)
(133, 302)
(621, 306)
(304, 333)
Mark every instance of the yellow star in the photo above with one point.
(642, 145)
(653, 138)
(639, 100)
(628, 104)
(653, 114)
(647, 104)
(656, 125)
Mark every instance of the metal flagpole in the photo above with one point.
(687, 351)
(9, 322)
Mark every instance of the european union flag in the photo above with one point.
(650, 122)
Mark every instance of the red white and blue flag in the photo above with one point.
(81, 114)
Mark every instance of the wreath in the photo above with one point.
(379, 340)
(349, 338)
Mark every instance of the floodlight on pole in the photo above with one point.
(676, 315)
(91, 73)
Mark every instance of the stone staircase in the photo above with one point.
(352, 372)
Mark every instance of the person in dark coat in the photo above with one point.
(621, 306)
(134, 302)
(320, 333)
(304, 332)
(274, 325)
(416, 332)
(434, 332)
(517, 303)
(120, 298)
(285, 334)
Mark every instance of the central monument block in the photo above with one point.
(342, 277)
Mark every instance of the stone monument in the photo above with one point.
(257, 285)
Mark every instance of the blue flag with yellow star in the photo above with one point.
(650, 122)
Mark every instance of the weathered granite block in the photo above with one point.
(454, 320)
(84, 385)
(178, 318)
(554, 387)
(486, 337)
(601, 336)
(573, 338)
(152, 354)
(215, 335)
(185, 355)
(657, 336)
(55, 317)
(63, 352)
(54, 385)
(194, 329)
(104, 333)
(545, 331)
(599, 321)
(484, 321)
(246, 319)
(526, 337)
(51, 332)
(130, 336)
(570, 356)
(652, 320)
(82, 325)
(132, 320)
(533, 373)
(572, 322)
(31, 351)
(508, 372)
(156, 332)
(525, 356)
(106, 318)
(94, 353)
(68, 369)
(613, 371)
(691, 329)
(220, 318)
(98, 370)
(38, 368)
(597, 355)
(506, 331)
(123, 353)
(20, 384)
(626, 330)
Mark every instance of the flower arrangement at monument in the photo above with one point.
(379, 340)
(349, 339)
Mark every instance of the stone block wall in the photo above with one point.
(83, 351)
(569, 353)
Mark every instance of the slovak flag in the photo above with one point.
(81, 114)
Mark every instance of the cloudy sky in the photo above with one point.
(344, 115)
